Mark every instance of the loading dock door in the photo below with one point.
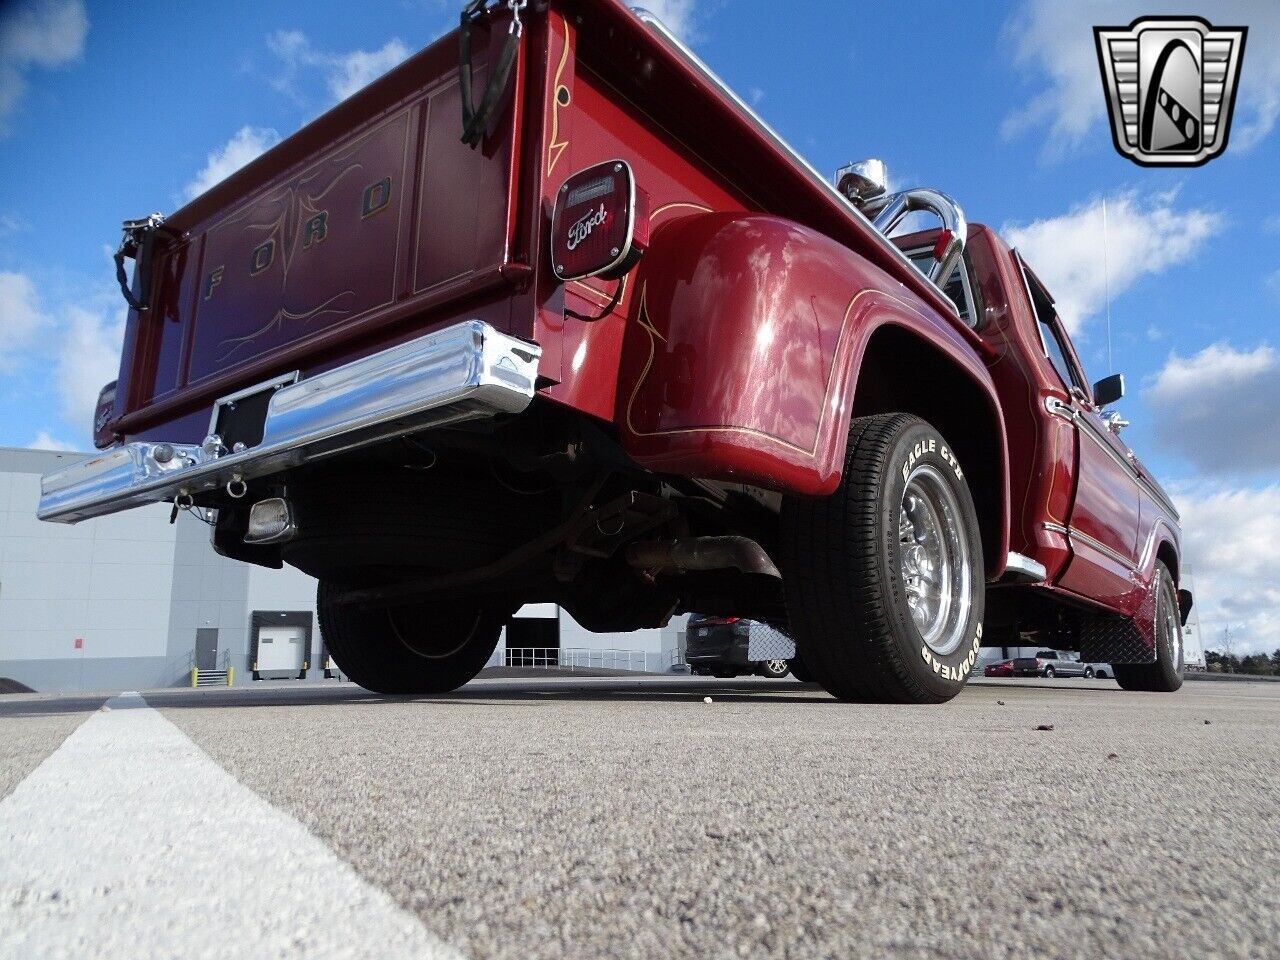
(281, 649)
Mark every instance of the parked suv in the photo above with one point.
(1051, 663)
(730, 646)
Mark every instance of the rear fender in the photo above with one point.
(742, 359)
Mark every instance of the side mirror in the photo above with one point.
(1109, 390)
(862, 181)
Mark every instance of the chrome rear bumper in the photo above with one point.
(465, 372)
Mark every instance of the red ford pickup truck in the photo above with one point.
(548, 314)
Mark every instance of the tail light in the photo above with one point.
(600, 224)
(103, 414)
(722, 620)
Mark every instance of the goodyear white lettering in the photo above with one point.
(932, 445)
(952, 462)
(957, 673)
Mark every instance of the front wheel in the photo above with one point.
(1088, 673)
(1165, 675)
(884, 578)
(408, 649)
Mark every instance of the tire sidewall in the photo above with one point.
(943, 674)
(1174, 667)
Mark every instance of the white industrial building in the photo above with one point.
(130, 601)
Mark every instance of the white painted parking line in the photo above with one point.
(128, 841)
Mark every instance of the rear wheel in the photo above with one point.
(1088, 673)
(410, 649)
(884, 578)
(1050, 673)
(1165, 675)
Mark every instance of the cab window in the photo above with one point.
(958, 288)
(1053, 339)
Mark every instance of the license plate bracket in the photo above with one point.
(241, 417)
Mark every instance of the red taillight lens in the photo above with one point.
(600, 225)
(103, 414)
(721, 620)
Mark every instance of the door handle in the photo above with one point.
(1060, 408)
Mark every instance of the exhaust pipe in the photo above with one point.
(702, 553)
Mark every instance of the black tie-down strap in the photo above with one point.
(136, 244)
(475, 122)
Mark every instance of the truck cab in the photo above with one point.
(549, 314)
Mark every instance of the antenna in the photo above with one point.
(1106, 280)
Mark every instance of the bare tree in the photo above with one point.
(1228, 645)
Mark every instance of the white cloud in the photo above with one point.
(44, 441)
(679, 15)
(359, 68)
(21, 316)
(88, 358)
(75, 345)
(248, 143)
(1218, 408)
(1231, 546)
(344, 73)
(1053, 41)
(38, 33)
(1144, 236)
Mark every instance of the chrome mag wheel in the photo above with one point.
(934, 559)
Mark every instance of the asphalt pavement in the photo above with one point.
(593, 817)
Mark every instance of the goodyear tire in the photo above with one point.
(411, 649)
(1165, 675)
(884, 578)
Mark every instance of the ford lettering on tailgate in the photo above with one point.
(304, 255)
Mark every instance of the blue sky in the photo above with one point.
(105, 116)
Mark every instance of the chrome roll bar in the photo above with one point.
(888, 211)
